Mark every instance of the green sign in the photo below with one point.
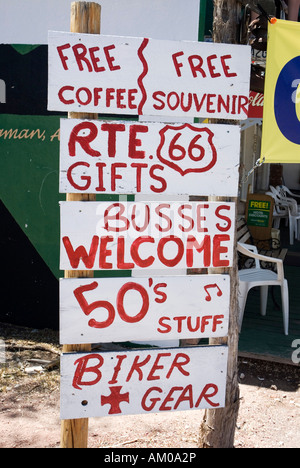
(259, 213)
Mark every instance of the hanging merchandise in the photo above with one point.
(281, 118)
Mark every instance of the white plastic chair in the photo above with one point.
(263, 278)
(286, 207)
(280, 211)
(284, 191)
(294, 218)
(280, 193)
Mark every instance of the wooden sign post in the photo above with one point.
(85, 18)
(144, 77)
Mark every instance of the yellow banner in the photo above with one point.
(281, 118)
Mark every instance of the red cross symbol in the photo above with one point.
(114, 399)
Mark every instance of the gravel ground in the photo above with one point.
(269, 415)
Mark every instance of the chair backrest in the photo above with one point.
(276, 194)
(280, 208)
(244, 237)
(243, 233)
(281, 190)
(281, 200)
(293, 207)
(285, 191)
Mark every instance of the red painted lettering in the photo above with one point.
(155, 96)
(80, 52)
(131, 98)
(204, 322)
(152, 400)
(196, 64)
(139, 167)
(136, 367)
(135, 142)
(218, 249)
(169, 398)
(84, 96)
(163, 216)
(89, 308)
(160, 293)
(116, 217)
(195, 327)
(62, 97)
(120, 98)
(100, 187)
(110, 59)
(179, 362)
(186, 395)
(179, 321)
(80, 253)
(207, 396)
(160, 251)
(217, 320)
(104, 253)
(114, 175)
(203, 247)
(224, 218)
(226, 67)
(112, 130)
(117, 369)
(154, 176)
(146, 217)
(156, 367)
(134, 250)
(178, 65)
(82, 369)
(82, 177)
(95, 60)
(130, 286)
(211, 67)
(84, 141)
(243, 104)
(185, 217)
(201, 218)
(63, 58)
(167, 327)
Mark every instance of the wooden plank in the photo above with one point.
(139, 76)
(85, 18)
(149, 158)
(142, 381)
(146, 235)
(283, 254)
(106, 311)
(243, 234)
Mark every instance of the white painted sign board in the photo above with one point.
(158, 308)
(140, 76)
(149, 158)
(146, 235)
(142, 381)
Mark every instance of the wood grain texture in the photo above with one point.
(85, 18)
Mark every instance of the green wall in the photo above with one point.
(29, 179)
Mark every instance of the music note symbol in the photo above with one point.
(211, 286)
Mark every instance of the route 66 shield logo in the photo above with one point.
(187, 148)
